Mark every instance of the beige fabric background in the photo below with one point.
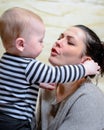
(60, 14)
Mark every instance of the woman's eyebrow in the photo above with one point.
(68, 36)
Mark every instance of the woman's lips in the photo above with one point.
(54, 52)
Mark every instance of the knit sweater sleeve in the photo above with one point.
(37, 72)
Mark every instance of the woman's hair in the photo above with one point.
(94, 46)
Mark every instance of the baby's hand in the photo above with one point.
(91, 67)
(49, 86)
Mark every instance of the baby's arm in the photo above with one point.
(90, 67)
(37, 72)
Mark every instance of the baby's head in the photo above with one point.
(18, 26)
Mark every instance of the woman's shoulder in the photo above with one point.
(87, 93)
(90, 88)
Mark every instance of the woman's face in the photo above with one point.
(69, 48)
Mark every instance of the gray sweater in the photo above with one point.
(84, 110)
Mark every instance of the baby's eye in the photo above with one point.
(41, 41)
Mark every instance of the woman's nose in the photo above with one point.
(59, 43)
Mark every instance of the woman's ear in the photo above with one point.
(20, 43)
(85, 58)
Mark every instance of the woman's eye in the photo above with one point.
(70, 43)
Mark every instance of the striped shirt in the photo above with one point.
(19, 83)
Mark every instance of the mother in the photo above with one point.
(77, 105)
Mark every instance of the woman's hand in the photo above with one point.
(49, 86)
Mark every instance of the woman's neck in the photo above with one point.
(67, 89)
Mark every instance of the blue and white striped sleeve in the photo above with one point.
(37, 72)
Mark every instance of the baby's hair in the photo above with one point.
(13, 23)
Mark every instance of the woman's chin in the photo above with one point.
(53, 62)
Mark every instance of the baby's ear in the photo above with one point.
(20, 43)
(85, 58)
